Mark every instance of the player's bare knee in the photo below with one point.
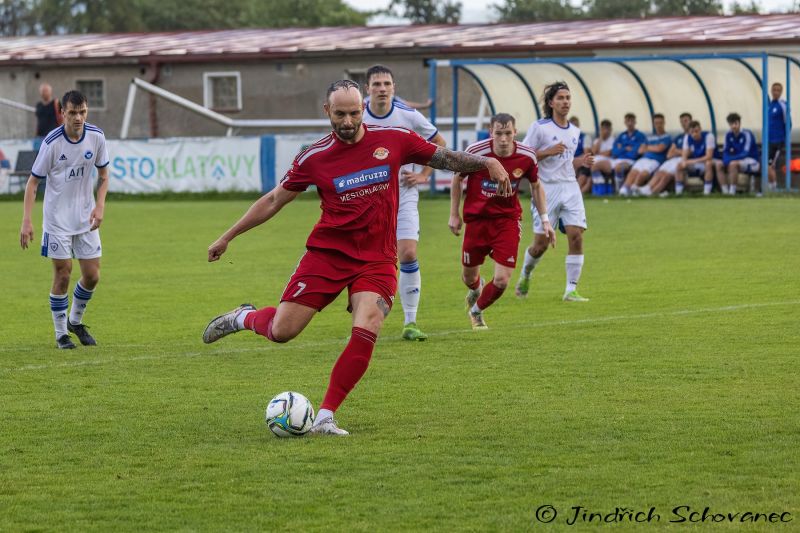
(282, 332)
(90, 280)
(371, 320)
(537, 250)
(61, 276)
(469, 279)
(501, 280)
(575, 242)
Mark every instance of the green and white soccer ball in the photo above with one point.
(290, 414)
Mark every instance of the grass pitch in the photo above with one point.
(676, 385)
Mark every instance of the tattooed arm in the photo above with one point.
(465, 163)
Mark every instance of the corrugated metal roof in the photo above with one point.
(439, 39)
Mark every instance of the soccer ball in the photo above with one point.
(290, 414)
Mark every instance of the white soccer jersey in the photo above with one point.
(545, 133)
(406, 117)
(608, 144)
(67, 166)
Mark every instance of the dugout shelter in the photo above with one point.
(709, 86)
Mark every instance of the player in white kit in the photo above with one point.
(66, 159)
(383, 109)
(555, 140)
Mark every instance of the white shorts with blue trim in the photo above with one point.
(408, 214)
(670, 166)
(615, 162)
(565, 202)
(82, 246)
(748, 164)
(645, 164)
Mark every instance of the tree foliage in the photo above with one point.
(427, 11)
(607, 9)
(22, 17)
(543, 10)
(753, 8)
(535, 10)
(670, 8)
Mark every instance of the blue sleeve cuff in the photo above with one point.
(435, 133)
(38, 176)
(103, 165)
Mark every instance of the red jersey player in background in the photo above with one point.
(355, 169)
(494, 222)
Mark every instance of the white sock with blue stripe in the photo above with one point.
(58, 306)
(80, 297)
(410, 285)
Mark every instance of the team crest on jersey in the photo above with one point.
(380, 153)
(517, 172)
(88, 154)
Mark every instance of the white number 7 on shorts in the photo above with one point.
(301, 286)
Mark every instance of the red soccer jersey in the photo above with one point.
(358, 185)
(482, 200)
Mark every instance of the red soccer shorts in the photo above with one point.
(322, 275)
(496, 237)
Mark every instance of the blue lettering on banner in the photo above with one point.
(361, 178)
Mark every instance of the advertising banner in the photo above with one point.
(185, 165)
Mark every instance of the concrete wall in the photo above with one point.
(270, 90)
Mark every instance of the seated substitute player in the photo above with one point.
(66, 159)
(584, 174)
(655, 152)
(494, 223)
(384, 109)
(554, 140)
(666, 172)
(740, 154)
(628, 146)
(355, 169)
(601, 148)
(698, 153)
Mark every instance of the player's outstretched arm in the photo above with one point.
(26, 231)
(540, 202)
(412, 179)
(455, 222)
(262, 210)
(465, 163)
(96, 218)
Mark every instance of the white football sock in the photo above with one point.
(574, 265)
(678, 187)
(707, 187)
(645, 191)
(322, 414)
(409, 287)
(529, 264)
(58, 307)
(80, 297)
(240, 319)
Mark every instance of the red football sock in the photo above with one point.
(261, 322)
(489, 295)
(475, 284)
(349, 368)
